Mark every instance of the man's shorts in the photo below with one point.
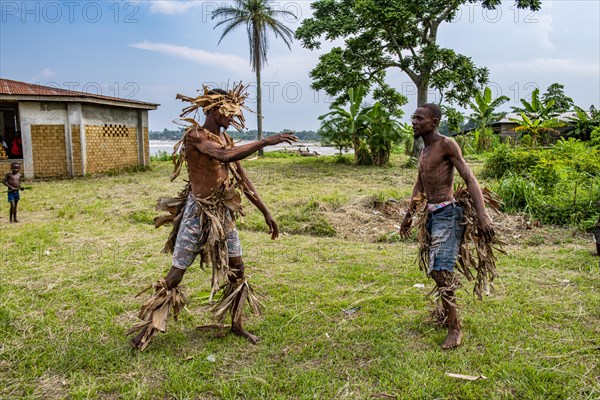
(446, 228)
(13, 195)
(191, 239)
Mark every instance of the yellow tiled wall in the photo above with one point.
(49, 150)
(110, 147)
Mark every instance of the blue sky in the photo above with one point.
(152, 50)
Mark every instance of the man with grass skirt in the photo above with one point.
(203, 215)
(442, 217)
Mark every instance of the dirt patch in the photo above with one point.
(51, 387)
(367, 218)
(370, 219)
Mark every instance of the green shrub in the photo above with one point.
(505, 159)
(161, 155)
(559, 185)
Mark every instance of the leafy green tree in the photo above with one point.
(454, 120)
(380, 35)
(562, 103)
(537, 128)
(537, 108)
(259, 17)
(343, 126)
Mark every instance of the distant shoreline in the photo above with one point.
(167, 145)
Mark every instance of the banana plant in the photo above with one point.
(484, 107)
(342, 125)
(536, 128)
(536, 108)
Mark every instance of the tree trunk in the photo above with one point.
(259, 108)
(381, 158)
(361, 152)
(257, 66)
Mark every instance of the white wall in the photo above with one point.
(100, 115)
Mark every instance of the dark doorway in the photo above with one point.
(10, 132)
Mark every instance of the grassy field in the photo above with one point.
(343, 317)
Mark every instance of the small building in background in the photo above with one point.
(63, 133)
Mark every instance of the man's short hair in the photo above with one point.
(434, 110)
(15, 164)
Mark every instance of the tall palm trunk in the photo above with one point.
(258, 87)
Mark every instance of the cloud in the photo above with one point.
(46, 73)
(202, 57)
(551, 65)
(545, 28)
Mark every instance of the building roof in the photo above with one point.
(23, 91)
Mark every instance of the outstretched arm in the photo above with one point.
(483, 220)
(252, 195)
(214, 150)
(407, 221)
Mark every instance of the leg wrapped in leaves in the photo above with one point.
(155, 313)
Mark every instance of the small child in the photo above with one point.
(12, 180)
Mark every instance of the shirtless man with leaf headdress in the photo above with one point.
(204, 213)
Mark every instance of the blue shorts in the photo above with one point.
(191, 238)
(445, 227)
(13, 195)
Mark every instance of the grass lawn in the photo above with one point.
(343, 318)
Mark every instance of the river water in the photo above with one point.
(167, 145)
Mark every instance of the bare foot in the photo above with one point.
(241, 332)
(453, 339)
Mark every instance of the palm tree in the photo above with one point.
(258, 16)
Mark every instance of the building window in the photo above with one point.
(110, 130)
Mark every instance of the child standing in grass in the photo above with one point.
(12, 180)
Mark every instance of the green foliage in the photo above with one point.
(537, 109)
(582, 124)
(372, 131)
(342, 127)
(381, 133)
(379, 35)
(161, 155)
(484, 107)
(562, 103)
(595, 137)
(454, 119)
(560, 185)
(537, 128)
(504, 160)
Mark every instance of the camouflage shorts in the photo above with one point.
(191, 238)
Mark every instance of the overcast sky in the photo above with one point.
(152, 50)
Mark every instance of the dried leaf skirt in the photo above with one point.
(476, 258)
(233, 291)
